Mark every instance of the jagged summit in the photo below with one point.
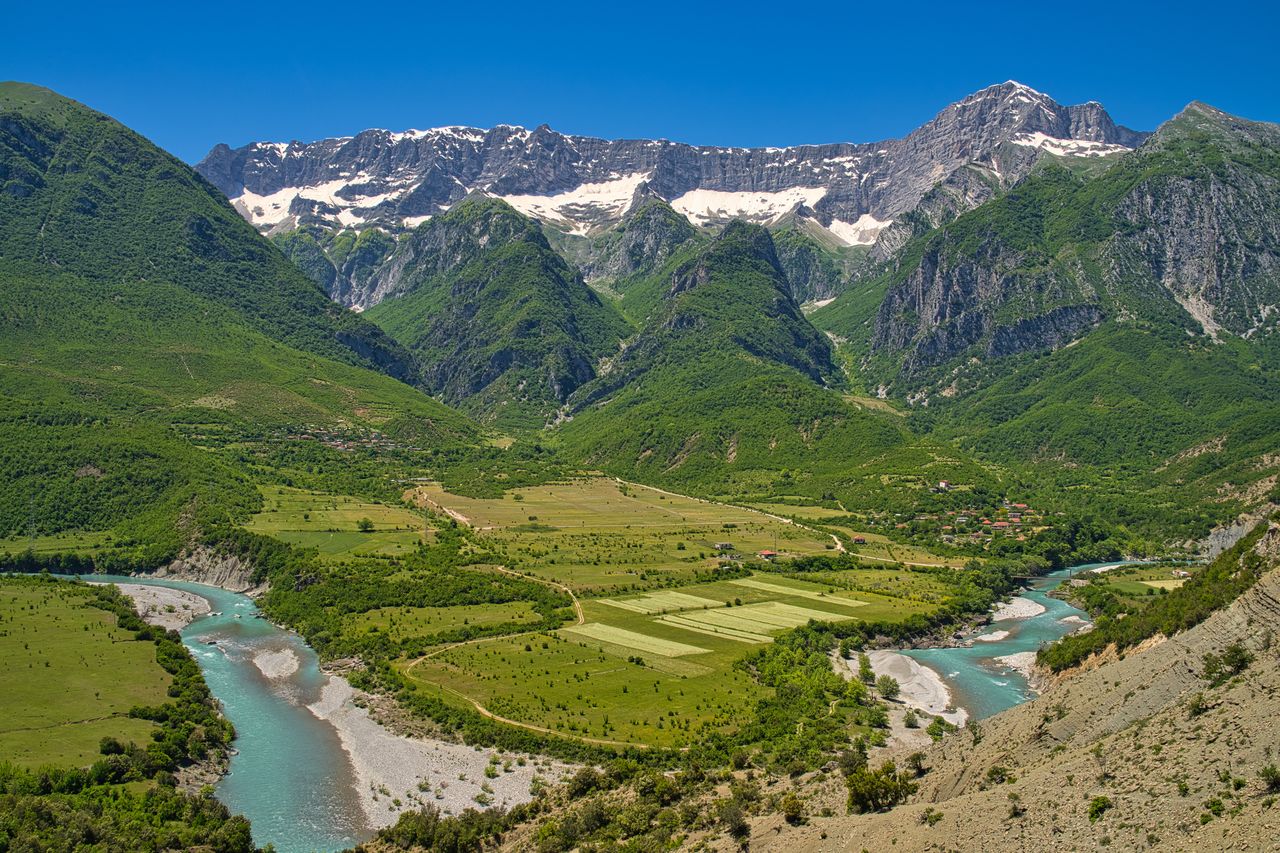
(584, 185)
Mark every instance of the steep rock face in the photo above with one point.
(1185, 230)
(583, 184)
(813, 271)
(343, 263)
(1204, 222)
(500, 324)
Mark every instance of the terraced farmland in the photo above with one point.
(600, 679)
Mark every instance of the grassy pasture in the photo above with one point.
(86, 542)
(68, 676)
(802, 512)
(401, 622)
(1141, 581)
(597, 535)
(328, 523)
(881, 548)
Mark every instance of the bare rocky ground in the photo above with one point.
(1121, 728)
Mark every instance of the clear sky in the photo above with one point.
(189, 75)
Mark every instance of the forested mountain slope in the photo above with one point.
(500, 323)
(728, 389)
(140, 320)
(1117, 329)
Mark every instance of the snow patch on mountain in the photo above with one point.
(580, 209)
(704, 207)
(862, 232)
(1068, 147)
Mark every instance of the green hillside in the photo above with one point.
(87, 196)
(730, 391)
(501, 325)
(1114, 329)
(136, 359)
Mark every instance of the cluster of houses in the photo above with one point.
(356, 439)
(1014, 519)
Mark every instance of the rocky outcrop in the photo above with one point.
(200, 564)
(1183, 231)
(644, 241)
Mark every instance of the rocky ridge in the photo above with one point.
(583, 184)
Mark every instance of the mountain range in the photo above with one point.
(580, 186)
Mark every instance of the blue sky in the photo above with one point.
(734, 74)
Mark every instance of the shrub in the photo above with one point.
(1098, 807)
(877, 790)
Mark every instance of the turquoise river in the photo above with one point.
(984, 686)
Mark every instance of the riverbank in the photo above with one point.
(920, 687)
(171, 609)
(396, 773)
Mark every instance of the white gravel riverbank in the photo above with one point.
(172, 609)
(395, 773)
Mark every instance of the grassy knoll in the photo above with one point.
(68, 676)
(598, 535)
(331, 523)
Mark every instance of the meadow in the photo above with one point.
(598, 535)
(331, 523)
(68, 676)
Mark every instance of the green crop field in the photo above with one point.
(1141, 581)
(596, 534)
(68, 676)
(655, 669)
(329, 523)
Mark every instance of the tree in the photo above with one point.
(792, 808)
(865, 672)
(364, 525)
(888, 686)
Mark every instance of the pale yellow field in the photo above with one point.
(596, 534)
(633, 640)
(1167, 583)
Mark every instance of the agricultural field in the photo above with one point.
(331, 523)
(879, 548)
(68, 676)
(654, 669)
(1142, 581)
(597, 535)
(402, 622)
(89, 542)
